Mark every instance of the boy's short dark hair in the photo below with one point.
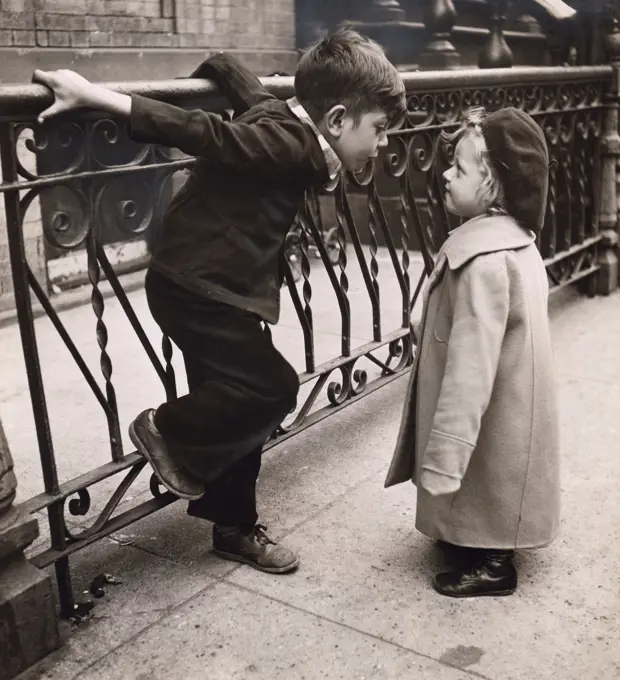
(350, 69)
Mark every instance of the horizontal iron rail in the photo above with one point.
(356, 353)
(70, 488)
(64, 177)
(29, 100)
(48, 557)
(587, 244)
(579, 276)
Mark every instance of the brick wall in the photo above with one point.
(239, 24)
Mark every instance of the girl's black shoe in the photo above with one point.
(492, 574)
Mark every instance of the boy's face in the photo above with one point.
(355, 143)
(463, 181)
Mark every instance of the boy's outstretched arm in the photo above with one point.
(73, 91)
(267, 147)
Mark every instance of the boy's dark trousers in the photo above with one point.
(240, 390)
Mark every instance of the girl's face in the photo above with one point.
(464, 180)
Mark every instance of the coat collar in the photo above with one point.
(481, 235)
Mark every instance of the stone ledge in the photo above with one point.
(131, 64)
(18, 534)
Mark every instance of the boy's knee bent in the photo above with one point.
(287, 387)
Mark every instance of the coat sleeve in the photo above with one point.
(234, 80)
(480, 292)
(270, 147)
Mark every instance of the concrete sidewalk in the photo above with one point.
(360, 605)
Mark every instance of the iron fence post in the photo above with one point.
(28, 624)
(607, 279)
(17, 252)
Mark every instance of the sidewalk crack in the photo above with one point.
(327, 619)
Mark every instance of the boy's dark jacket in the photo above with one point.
(224, 231)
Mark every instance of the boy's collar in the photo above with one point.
(484, 234)
(334, 164)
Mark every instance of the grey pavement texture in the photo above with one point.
(361, 605)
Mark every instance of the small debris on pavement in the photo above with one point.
(96, 586)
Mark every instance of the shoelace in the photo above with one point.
(260, 533)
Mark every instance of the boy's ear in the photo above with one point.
(334, 119)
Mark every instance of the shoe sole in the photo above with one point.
(245, 560)
(143, 451)
(492, 593)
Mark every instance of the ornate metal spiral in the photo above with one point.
(359, 381)
(339, 392)
(111, 145)
(448, 107)
(60, 148)
(81, 505)
(402, 350)
(421, 152)
(421, 110)
(67, 216)
(125, 205)
(395, 156)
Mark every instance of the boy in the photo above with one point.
(215, 272)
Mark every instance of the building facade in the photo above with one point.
(127, 40)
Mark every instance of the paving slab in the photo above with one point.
(228, 633)
(365, 566)
(586, 335)
(151, 587)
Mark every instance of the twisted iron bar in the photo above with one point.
(98, 305)
(343, 284)
(373, 248)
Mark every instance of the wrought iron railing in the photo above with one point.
(392, 208)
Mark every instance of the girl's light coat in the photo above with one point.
(480, 418)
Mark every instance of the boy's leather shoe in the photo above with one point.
(147, 440)
(255, 549)
(493, 574)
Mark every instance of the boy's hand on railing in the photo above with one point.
(73, 91)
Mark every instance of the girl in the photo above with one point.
(479, 434)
